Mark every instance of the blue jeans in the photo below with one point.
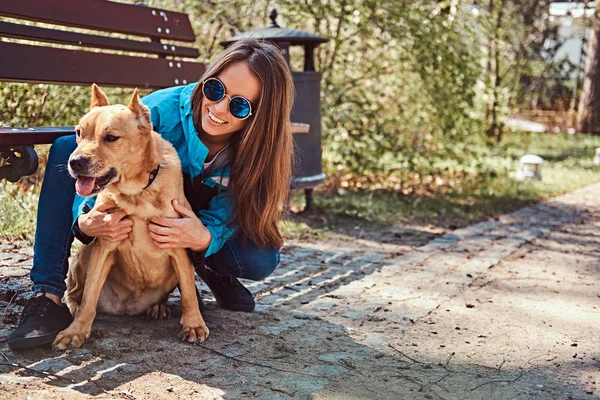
(53, 236)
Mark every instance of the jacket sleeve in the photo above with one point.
(81, 205)
(215, 219)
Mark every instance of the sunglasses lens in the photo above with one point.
(239, 107)
(214, 90)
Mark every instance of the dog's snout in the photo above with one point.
(79, 164)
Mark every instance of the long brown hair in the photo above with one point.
(261, 153)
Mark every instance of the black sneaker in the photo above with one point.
(41, 320)
(228, 291)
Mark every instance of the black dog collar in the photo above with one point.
(153, 174)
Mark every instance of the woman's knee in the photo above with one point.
(260, 267)
(248, 262)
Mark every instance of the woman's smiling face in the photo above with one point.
(238, 81)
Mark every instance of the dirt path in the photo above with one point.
(505, 309)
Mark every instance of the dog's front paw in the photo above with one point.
(158, 311)
(70, 337)
(194, 330)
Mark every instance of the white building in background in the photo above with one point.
(572, 33)
(569, 17)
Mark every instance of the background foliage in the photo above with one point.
(409, 88)
(399, 79)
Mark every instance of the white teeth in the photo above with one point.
(213, 118)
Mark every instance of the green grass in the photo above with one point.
(18, 210)
(490, 190)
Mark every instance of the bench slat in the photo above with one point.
(103, 15)
(34, 64)
(26, 32)
(26, 136)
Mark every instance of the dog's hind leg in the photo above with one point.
(102, 259)
(193, 327)
(160, 310)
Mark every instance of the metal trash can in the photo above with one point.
(308, 172)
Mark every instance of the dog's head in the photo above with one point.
(110, 139)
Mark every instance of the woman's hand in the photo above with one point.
(185, 232)
(102, 224)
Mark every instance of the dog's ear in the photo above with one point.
(99, 99)
(141, 111)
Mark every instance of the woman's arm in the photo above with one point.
(205, 233)
(90, 222)
(187, 232)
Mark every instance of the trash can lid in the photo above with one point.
(275, 33)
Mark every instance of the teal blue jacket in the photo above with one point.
(171, 114)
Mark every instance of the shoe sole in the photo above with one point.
(25, 343)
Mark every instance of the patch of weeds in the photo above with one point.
(484, 187)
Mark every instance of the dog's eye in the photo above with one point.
(77, 132)
(110, 138)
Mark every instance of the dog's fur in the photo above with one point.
(132, 276)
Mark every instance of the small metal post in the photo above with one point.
(285, 50)
(310, 204)
(309, 57)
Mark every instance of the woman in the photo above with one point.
(231, 131)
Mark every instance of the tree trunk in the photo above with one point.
(495, 128)
(588, 114)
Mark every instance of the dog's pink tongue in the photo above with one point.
(85, 185)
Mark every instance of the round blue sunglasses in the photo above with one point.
(239, 106)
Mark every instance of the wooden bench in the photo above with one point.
(151, 55)
(145, 61)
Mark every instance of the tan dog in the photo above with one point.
(116, 153)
